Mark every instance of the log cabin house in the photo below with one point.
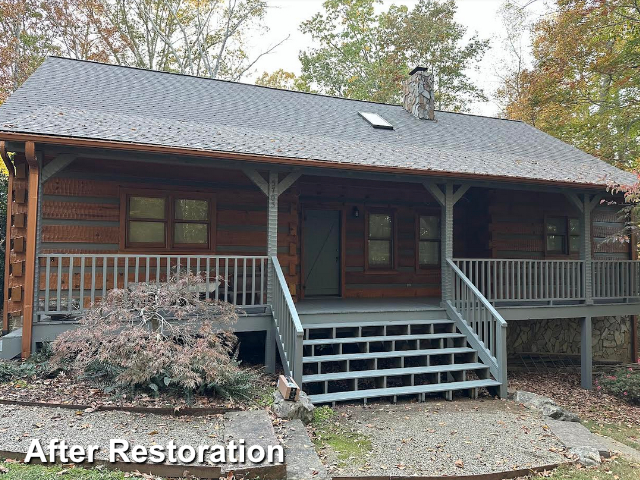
(379, 250)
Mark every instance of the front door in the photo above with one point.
(321, 257)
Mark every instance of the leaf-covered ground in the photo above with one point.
(611, 469)
(601, 413)
(69, 391)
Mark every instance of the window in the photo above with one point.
(428, 233)
(376, 120)
(562, 235)
(168, 221)
(380, 233)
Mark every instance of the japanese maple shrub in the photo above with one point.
(624, 383)
(156, 336)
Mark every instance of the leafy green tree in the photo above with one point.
(366, 55)
(584, 86)
(284, 80)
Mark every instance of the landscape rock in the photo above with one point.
(548, 407)
(302, 409)
(587, 456)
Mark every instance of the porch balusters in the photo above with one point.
(73, 282)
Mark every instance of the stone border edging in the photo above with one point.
(509, 474)
(270, 472)
(176, 412)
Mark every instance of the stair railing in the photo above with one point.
(484, 327)
(289, 332)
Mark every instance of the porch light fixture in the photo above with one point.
(356, 212)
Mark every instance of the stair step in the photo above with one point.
(391, 372)
(388, 392)
(397, 353)
(382, 338)
(380, 323)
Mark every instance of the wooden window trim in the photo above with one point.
(168, 246)
(393, 268)
(418, 266)
(566, 253)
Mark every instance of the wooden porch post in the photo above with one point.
(7, 239)
(447, 199)
(272, 189)
(30, 258)
(586, 354)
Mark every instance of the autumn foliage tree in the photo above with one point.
(584, 86)
(366, 55)
(196, 37)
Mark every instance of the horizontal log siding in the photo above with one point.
(81, 209)
(15, 283)
(516, 225)
(607, 223)
(406, 200)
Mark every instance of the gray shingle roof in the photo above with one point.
(96, 101)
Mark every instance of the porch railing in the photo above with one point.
(484, 327)
(288, 327)
(526, 280)
(615, 279)
(70, 283)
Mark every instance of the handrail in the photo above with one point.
(288, 327)
(70, 283)
(484, 327)
(526, 280)
(615, 279)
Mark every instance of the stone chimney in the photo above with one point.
(418, 94)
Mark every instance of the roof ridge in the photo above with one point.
(234, 82)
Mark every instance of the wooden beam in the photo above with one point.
(56, 165)
(595, 201)
(287, 181)
(573, 198)
(7, 240)
(462, 189)
(436, 192)
(30, 258)
(257, 179)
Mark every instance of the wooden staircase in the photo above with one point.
(392, 354)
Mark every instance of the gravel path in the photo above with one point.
(20, 425)
(445, 438)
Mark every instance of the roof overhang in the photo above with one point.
(279, 160)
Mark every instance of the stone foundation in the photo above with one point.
(611, 337)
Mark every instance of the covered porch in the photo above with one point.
(294, 248)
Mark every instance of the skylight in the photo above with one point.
(376, 120)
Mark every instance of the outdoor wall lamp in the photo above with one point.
(356, 212)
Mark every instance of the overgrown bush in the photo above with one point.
(157, 337)
(623, 383)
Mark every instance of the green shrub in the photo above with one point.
(36, 366)
(623, 383)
